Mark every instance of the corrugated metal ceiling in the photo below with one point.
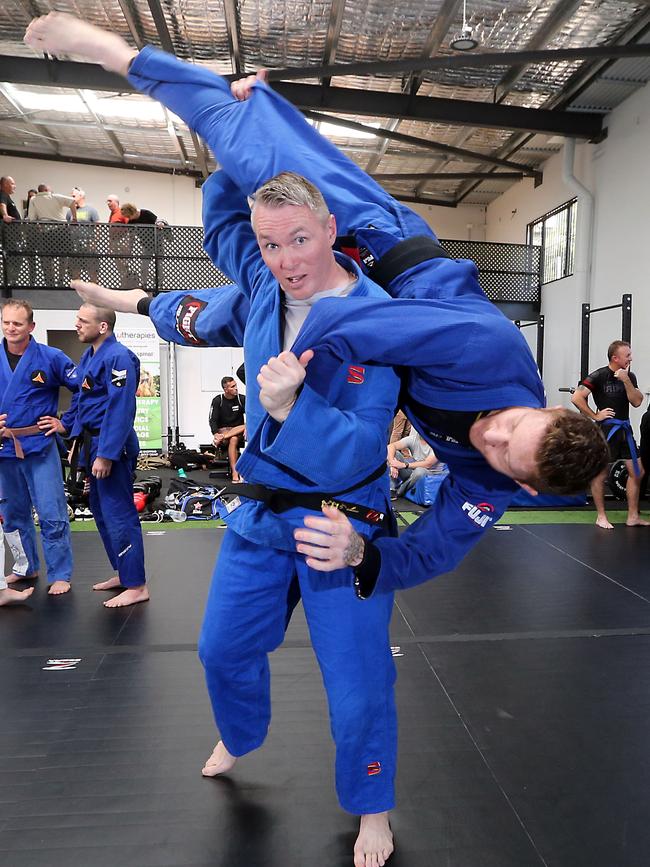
(241, 36)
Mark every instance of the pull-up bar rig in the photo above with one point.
(539, 322)
(626, 328)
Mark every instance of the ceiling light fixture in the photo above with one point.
(464, 41)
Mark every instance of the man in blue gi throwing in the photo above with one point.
(498, 444)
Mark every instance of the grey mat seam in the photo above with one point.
(298, 644)
(586, 565)
(481, 754)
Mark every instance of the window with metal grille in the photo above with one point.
(555, 233)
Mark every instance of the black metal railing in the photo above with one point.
(48, 255)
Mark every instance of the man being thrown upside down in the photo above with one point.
(470, 387)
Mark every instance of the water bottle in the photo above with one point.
(176, 515)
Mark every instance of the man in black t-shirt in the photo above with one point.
(227, 421)
(614, 389)
(8, 209)
(9, 213)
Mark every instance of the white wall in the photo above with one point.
(464, 223)
(616, 172)
(172, 197)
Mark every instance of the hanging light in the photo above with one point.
(464, 41)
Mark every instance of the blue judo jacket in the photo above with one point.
(456, 356)
(108, 379)
(336, 433)
(32, 391)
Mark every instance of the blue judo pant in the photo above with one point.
(245, 620)
(265, 135)
(111, 502)
(37, 480)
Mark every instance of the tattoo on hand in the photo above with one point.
(353, 554)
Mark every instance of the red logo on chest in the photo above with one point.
(356, 374)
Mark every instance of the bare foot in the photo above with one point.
(636, 521)
(58, 587)
(111, 584)
(11, 579)
(58, 33)
(9, 596)
(374, 844)
(220, 762)
(604, 523)
(129, 597)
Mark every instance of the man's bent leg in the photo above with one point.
(256, 139)
(352, 644)
(351, 641)
(244, 621)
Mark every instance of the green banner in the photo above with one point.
(143, 342)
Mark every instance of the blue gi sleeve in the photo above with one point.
(264, 135)
(206, 317)
(440, 538)
(229, 238)
(122, 375)
(66, 371)
(335, 447)
(70, 416)
(409, 332)
(463, 349)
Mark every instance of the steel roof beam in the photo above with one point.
(446, 176)
(332, 38)
(588, 125)
(468, 156)
(232, 27)
(411, 84)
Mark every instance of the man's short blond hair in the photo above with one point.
(22, 304)
(289, 188)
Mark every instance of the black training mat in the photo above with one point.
(523, 694)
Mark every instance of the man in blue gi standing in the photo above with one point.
(328, 446)
(30, 465)
(101, 421)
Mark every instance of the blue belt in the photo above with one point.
(615, 424)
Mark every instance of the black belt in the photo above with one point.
(81, 442)
(404, 255)
(281, 500)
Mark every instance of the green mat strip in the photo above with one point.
(147, 526)
(543, 516)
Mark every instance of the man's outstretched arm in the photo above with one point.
(122, 301)
(205, 317)
(434, 544)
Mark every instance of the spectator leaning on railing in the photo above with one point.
(143, 217)
(53, 241)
